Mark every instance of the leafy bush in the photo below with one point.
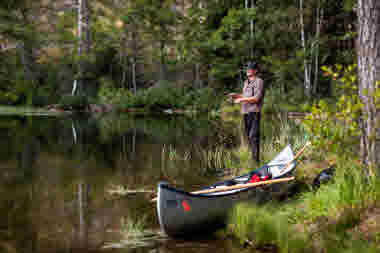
(42, 97)
(337, 125)
(164, 95)
(204, 99)
(77, 102)
(109, 94)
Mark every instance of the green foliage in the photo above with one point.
(351, 190)
(203, 99)
(316, 219)
(42, 97)
(336, 127)
(266, 226)
(276, 100)
(109, 94)
(232, 38)
(76, 102)
(165, 95)
(214, 34)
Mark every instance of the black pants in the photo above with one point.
(252, 130)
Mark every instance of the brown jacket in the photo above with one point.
(253, 89)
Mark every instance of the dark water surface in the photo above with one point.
(57, 176)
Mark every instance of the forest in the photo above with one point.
(186, 55)
(130, 52)
(318, 58)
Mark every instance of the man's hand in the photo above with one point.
(251, 100)
(234, 95)
(239, 100)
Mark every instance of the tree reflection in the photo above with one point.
(55, 173)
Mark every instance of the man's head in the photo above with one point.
(251, 69)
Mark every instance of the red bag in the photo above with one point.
(255, 178)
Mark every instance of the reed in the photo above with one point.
(216, 158)
(133, 228)
(135, 234)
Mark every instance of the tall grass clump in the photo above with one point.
(135, 234)
(244, 154)
(264, 226)
(351, 191)
(216, 158)
(133, 228)
(273, 141)
(287, 133)
(316, 220)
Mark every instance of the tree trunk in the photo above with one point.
(197, 77)
(134, 59)
(84, 45)
(320, 16)
(82, 231)
(252, 32)
(86, 16)
(163, 60)
(307, 82)
(369, 73)
(79, 34)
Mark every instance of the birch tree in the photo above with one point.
(319, 20)
(310, 44)
(369, 75)
(83, 33)
(306, 64)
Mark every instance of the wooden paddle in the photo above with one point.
(296, 157)
(240, 186)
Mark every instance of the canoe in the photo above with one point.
(183, 214)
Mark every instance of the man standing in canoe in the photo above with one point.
(251, 101)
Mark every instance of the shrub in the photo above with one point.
(109, 94)
(336, 126)
(76, 102)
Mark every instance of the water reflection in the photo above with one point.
(56, 173)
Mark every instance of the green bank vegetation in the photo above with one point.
(340, 216)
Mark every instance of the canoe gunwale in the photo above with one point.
(220, 194)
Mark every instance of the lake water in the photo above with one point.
(58, 178)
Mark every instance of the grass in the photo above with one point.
(269, 147)
(352, 190)
(217, 158)
(261, 228)
(135, 235)
(329, 219)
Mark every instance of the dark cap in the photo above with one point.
(252, 65)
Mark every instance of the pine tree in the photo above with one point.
(369, 76)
